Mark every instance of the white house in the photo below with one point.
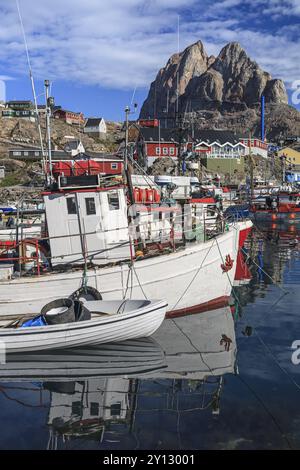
(96, 127)
(218, 144)
(74, 147)
(256, 146)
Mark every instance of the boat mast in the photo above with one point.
(126, 165)
(49, 101)
(33, 90)
(251, 168)
(127, 171)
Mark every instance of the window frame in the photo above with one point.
(110, 205)
(70, 210)
(88, 210)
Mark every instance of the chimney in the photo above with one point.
(262, 118)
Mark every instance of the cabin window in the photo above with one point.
(165, 151)
(37, 154)
(71, 205)
(211, 210)
(114, 166)
(157, 150)
(172, 151)
(115, 409)
(17, 154)
(90, 206)
(113, 201)
(94, 409)
(76, 408)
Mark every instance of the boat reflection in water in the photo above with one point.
(100, 393)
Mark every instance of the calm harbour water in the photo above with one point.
(227, 380)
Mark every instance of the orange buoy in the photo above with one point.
(149, 195)
(136, 193)
(156, 196)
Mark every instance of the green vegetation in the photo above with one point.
(10, 180)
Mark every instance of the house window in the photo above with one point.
(115, 409)
(114, 166)
(37, 154)
(26, 154)
(165, 151)
(71, 205)
(157, 150)
(17, 154)
(172, 151)
(113, 201)
(90, 206)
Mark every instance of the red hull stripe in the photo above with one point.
(206, 306)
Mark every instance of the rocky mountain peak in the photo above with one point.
(230, 82)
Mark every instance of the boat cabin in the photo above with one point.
(87, 222)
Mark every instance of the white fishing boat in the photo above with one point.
(194, 277)
(110, 321)
(92, 223)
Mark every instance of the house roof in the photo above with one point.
(61, 110)
(219, 136)
(72, 145)
(62, 155)
(156, 134)
(19, 101)
(26, 149)
(93, 122)
(103, 156)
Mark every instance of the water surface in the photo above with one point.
(222, 379)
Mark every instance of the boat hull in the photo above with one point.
(139, 323)
(194, 276)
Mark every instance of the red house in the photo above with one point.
(156, 142)
(69, 116)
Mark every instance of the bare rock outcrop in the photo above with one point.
(229, 87)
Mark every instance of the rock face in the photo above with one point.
(229, 83)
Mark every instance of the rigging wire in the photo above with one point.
(32, 83)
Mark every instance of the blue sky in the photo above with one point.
(99, 53)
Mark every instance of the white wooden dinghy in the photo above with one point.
(110, 321)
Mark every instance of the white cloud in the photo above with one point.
(121, 44)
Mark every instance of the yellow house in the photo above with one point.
(293, 156)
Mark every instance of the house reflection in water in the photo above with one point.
(198, 351)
